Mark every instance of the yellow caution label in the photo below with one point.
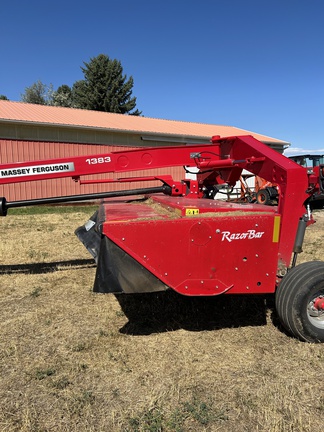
(191, 211)
(276, 229)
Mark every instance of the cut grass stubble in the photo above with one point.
(74, 360)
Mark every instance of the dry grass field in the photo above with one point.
(72, 360)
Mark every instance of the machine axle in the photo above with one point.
(5, 205)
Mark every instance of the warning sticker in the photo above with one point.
(36, 170)
(191, 211)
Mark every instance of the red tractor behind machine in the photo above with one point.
(177, 236)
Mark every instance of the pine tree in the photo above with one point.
(104, 87)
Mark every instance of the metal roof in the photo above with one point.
(19, 112)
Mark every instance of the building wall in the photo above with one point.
(21, 151)
(61, 134)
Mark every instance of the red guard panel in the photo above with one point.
(211, 253)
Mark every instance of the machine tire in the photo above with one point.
(295, 298)
(263, 197)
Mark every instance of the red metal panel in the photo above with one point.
(204, 255)
(20, 151)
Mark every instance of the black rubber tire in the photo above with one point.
(295, 292)
(263, 197)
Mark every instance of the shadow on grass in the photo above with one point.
(46, 267)
(168, 311)
(275, 317)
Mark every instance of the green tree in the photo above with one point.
(62, 96)
(104, 87)
(3, 97)
(38, 93)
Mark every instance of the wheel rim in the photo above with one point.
(262, 198)
(315, 310)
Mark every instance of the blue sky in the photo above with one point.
(254, 64)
